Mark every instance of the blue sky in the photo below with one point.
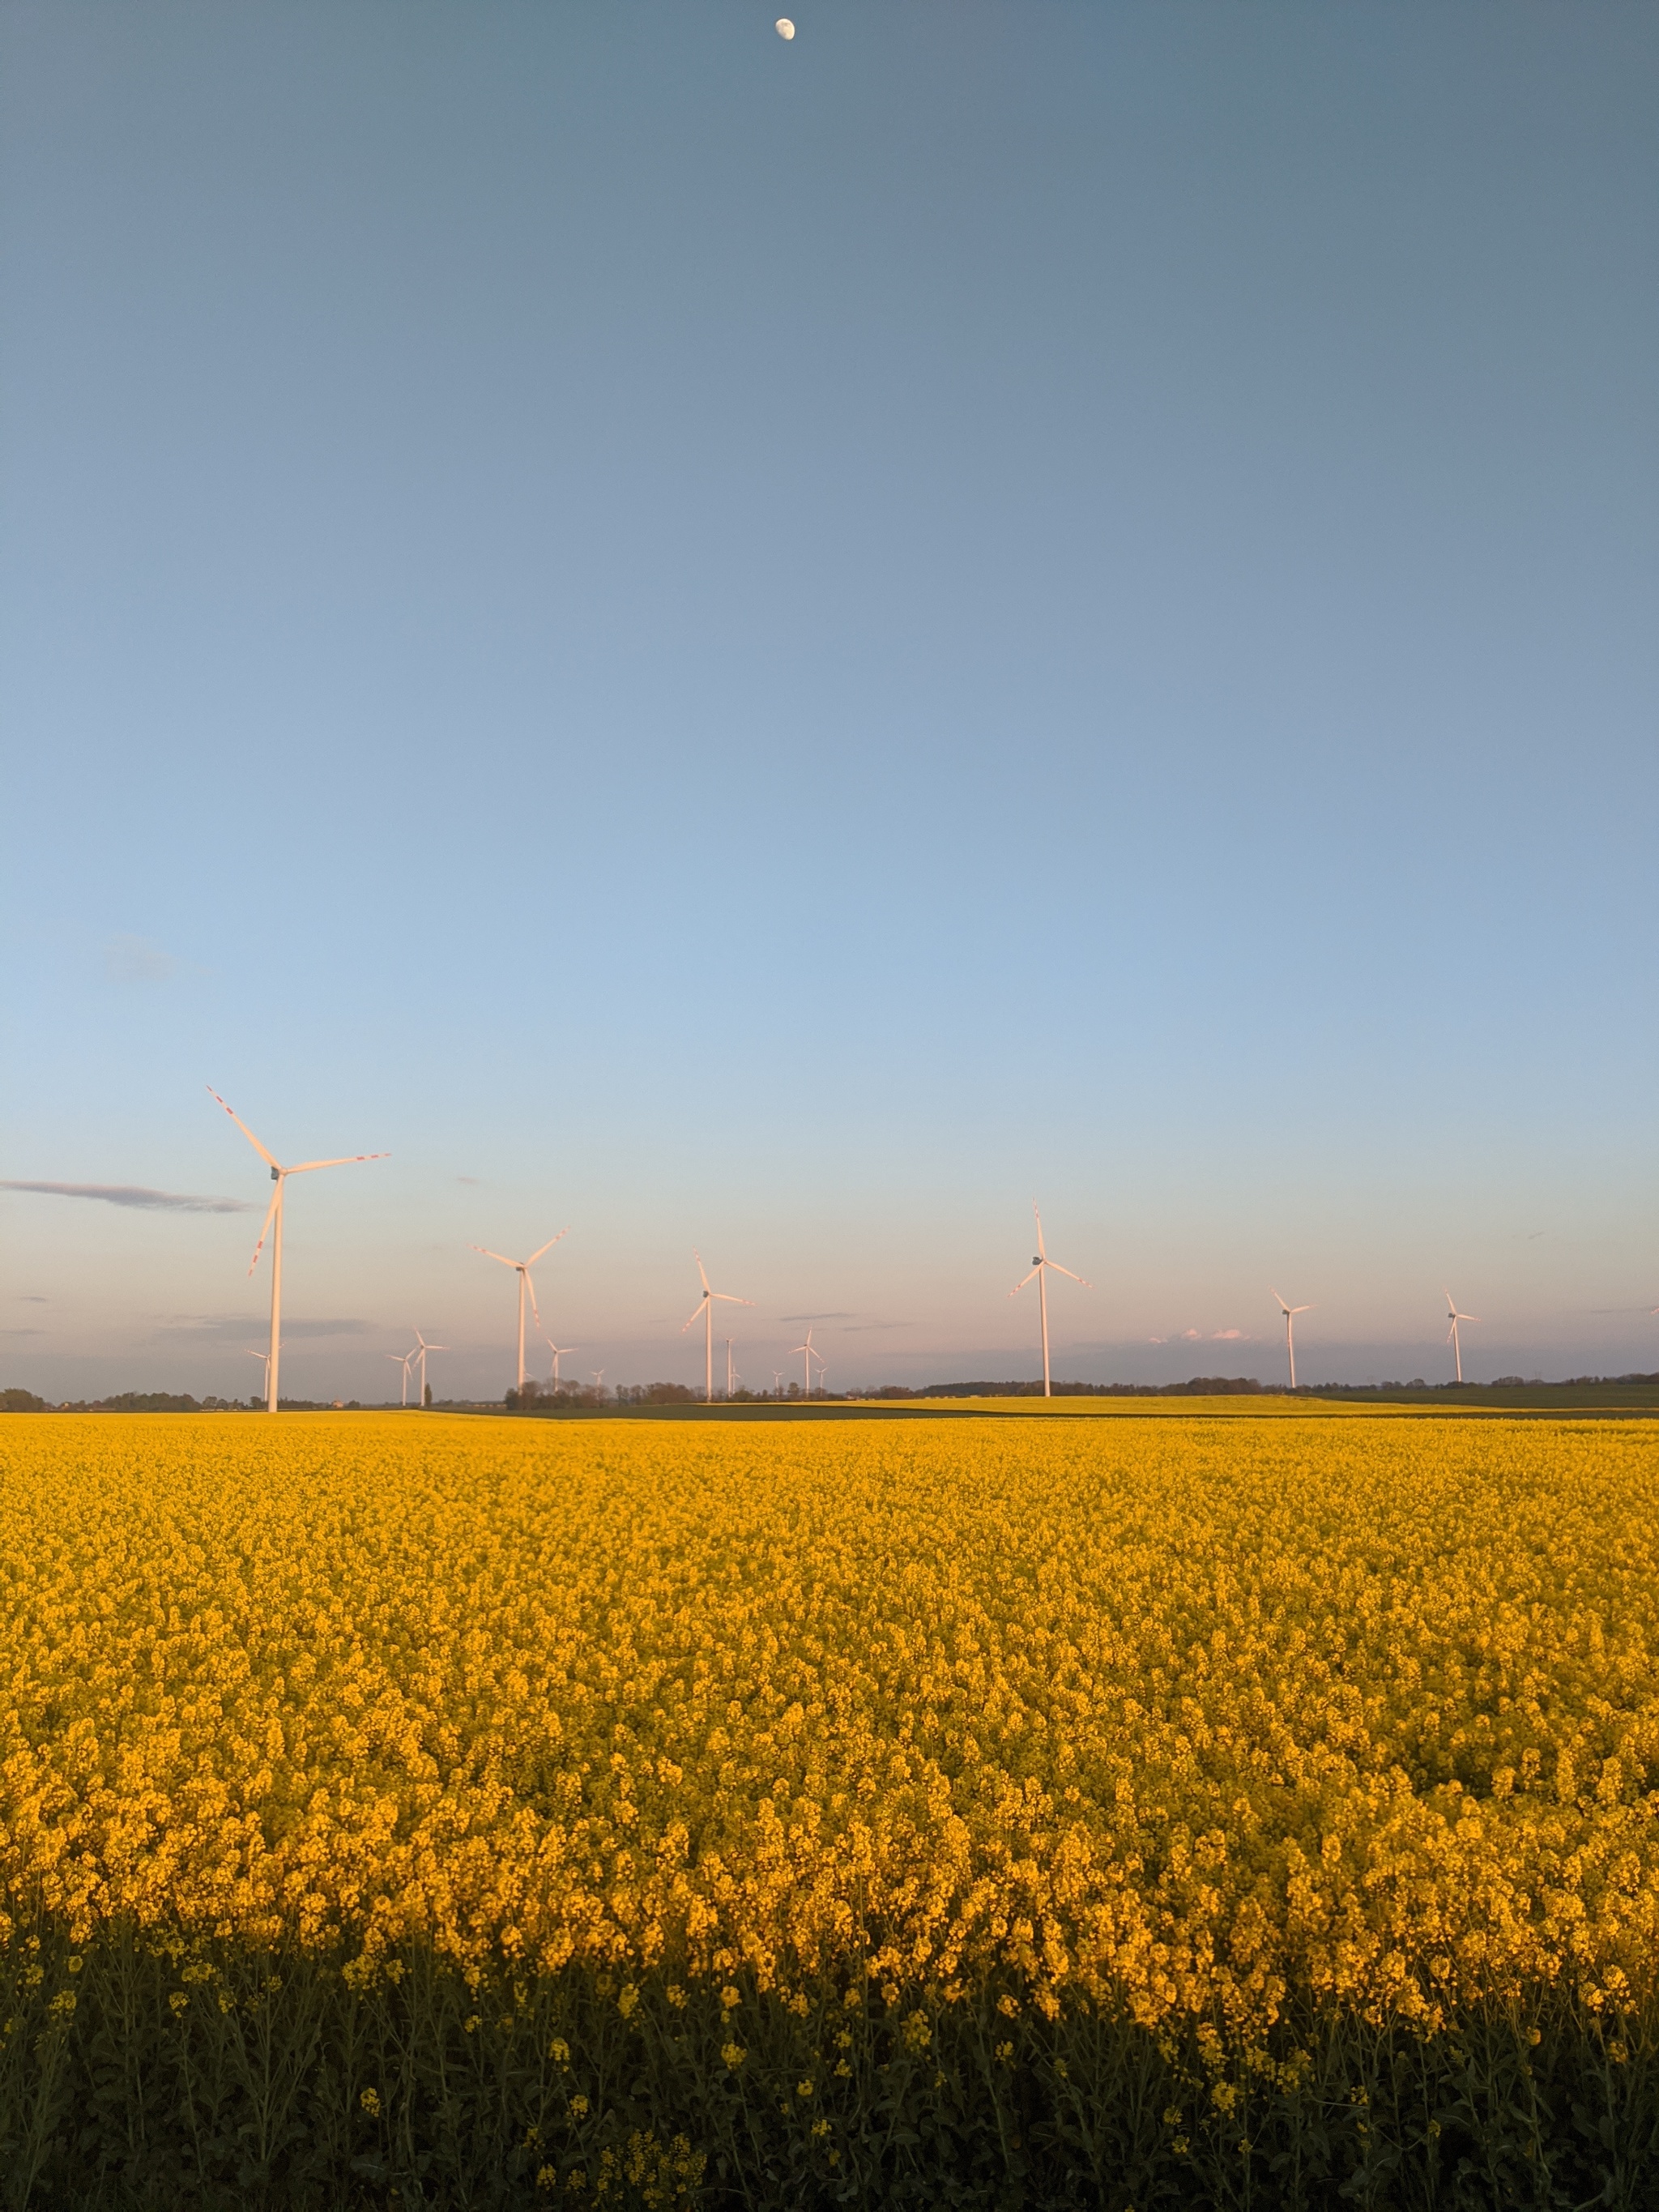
(786, 646)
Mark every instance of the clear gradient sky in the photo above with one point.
(786, 646)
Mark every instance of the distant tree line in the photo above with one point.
(163, 1402)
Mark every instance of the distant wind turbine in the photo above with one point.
(731, 1377)
(559, 1352)
(265, 1356)
(273, 1228)
(705, 1306)
(807, 1363)
(1290, 1314)
(403, 1358)
(597, 1373)
(523, 1267)
(421, 1348)
(1452, 1337)
(1040, 1264)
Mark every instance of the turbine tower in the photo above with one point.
(705, 1306)
(1290, 1314)
(273, 1228)
(421, 1348)
(1040, 1264)
(525, 1284)
(1452, 1337)
(403, 1360)
(731, 1377)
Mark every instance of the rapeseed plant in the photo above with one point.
(1216, 1729)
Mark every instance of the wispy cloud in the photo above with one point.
(829, 1316)
(231, 1324)
(863, 1328)
(1225, 1335)
(136, 960)
(474, 1179)
(133, 1194)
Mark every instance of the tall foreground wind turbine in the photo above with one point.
(421, 1348)
(1290, 1314)
(273, 1228)
(705, 1306)
(525, 1285)
(1040, 1264)
(1452, 1339)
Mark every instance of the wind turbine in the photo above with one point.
(559, 1351)
(597, 1373)
(421, 1348)
(264, 1356)
(1040, 1264)
(807, 1363)
(1290, 1314)
(705, 1306)
(522, 1266)
(403, 1360)
(731, 1379)
(777, 1373)
(1454, 1317)
(273, 1228)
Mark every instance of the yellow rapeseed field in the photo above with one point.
(1184, 1715)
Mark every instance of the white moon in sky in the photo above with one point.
(785, 29)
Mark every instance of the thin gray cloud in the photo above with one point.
(31, 1298)
(864, 1327)
(224, 1324)
(133, 1194)
(829, 1316)
(136, 960)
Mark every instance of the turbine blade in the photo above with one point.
(693, 1316)
(1032, 1277)
(246, 1131)
(548, 1246)
(1058, 1270)
(702, 1271)
(1282, 1308)
(489, 1254)
(530, 1284)
(1041, 1246)
(275, 1201)
(350, 1161)
(727, 1298)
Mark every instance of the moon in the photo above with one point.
(784, 27)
